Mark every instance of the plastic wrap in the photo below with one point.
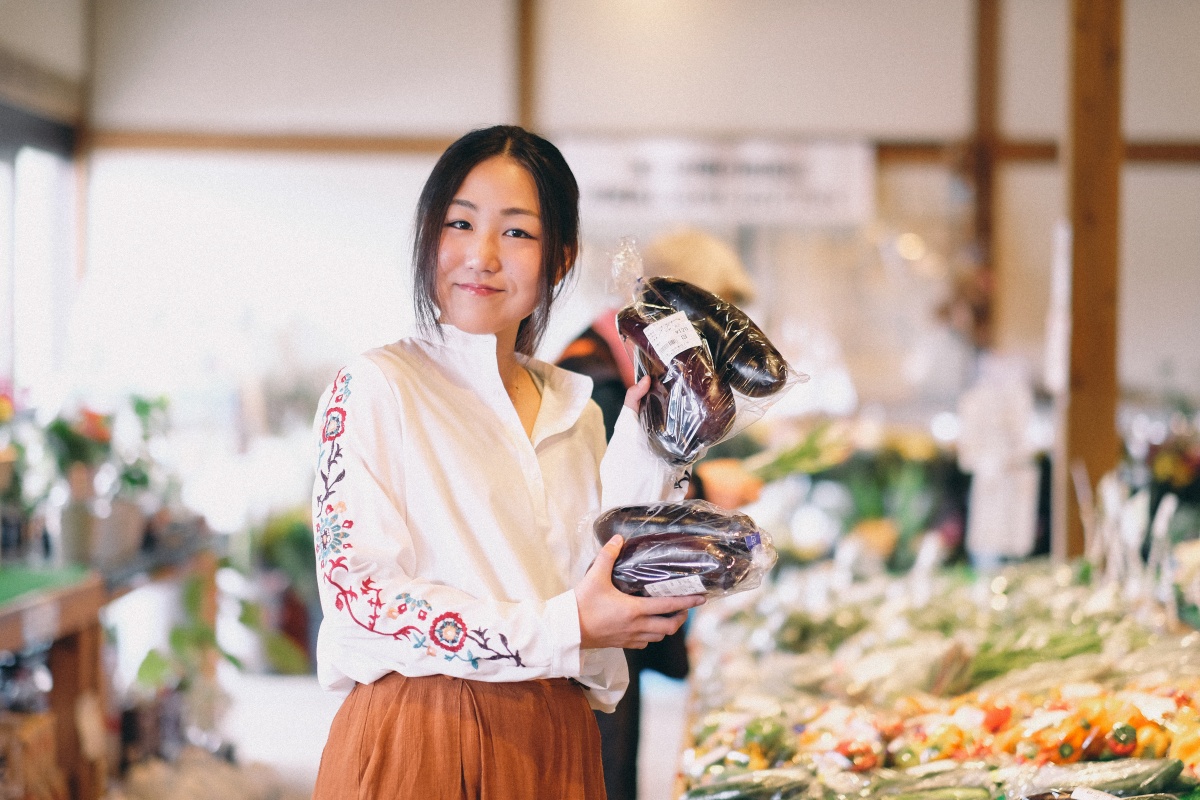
(1125, 777)
(713, 371)
(691, 547)
(773, 784)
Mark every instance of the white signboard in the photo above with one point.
(748, 181)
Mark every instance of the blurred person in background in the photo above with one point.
(707, 261)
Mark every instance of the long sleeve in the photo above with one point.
(631, 473)
(380, 614)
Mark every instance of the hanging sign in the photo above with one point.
(749, 181)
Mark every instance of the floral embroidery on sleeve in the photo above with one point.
(448, 634)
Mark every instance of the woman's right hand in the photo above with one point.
(610, 618)
(635, 393)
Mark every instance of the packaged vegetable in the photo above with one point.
(713, 371)
(767, 784)
(1125, 777)
(690, 547)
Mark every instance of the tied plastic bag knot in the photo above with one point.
(628, 269)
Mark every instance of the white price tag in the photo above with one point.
(1087, 793)
(676, 587)
(671, 335)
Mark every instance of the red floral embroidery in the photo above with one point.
(449, 632)
(335, 424)
(366, 606)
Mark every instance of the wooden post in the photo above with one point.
(982, 153)
(205, 565)
(1087, 431)
(526, 63)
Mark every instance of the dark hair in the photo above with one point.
(558, 197)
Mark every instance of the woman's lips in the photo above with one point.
(477, 289)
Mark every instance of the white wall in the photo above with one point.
(415, 67)
(386, 66)
(1033, 68)
(890, 70)
(238, 285)
(200, 266)
(1030, 199)
(1159, 313)
(1160, 206)
(46, 33)
(1160, 71)
(899, 69)
(1159, 289)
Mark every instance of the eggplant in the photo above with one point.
(743, 356)
(687, 409)
(692, 538)
(656, 557)
(695, 517)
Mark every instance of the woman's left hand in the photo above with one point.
(610, 618)
(635, 393)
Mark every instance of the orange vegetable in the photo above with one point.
(1153, 741)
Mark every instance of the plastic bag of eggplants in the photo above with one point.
(712, 370)
(689, 547)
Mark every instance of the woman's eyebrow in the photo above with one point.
(522, 211)
(458, 201)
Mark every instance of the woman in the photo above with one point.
(456, 473)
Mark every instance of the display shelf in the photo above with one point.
(39, 606)
(61, 609)
(158, 564)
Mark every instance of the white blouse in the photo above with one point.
(448, 541)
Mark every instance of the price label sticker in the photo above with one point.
(753, 541)
(671, 335)
(1087, 793)
(676, 587)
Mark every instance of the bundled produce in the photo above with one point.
(690, 547)
(713, 371)
(687, 409)
(1160, 779)
(1032, 682)
(744, 358)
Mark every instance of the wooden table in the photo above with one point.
(61, 609)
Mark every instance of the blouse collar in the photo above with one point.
(564, 393)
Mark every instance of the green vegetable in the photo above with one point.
(772, 737)
(767, 784)
(1125, 777)
(1003, 654)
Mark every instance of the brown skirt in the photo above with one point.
(443, 738)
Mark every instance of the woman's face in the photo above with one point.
(490, 255)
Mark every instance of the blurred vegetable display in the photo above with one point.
(284, 544)
(884, 495)
(942, 684)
